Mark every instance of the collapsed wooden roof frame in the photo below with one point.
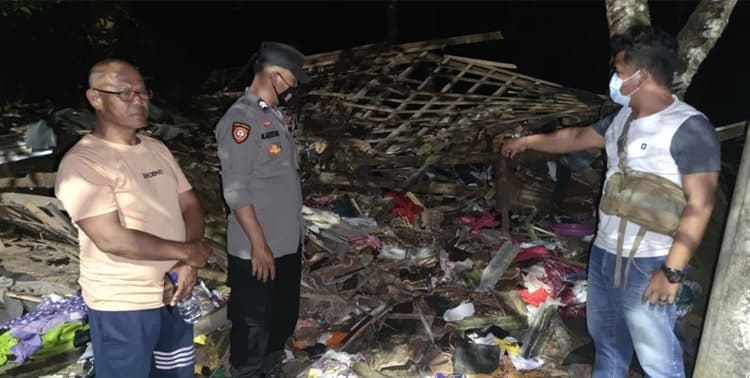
(413, 99)
(397, 91)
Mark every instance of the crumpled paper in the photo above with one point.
(335, 365)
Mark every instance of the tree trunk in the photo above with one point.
(698, 37)
(621, 14)
(725, 342)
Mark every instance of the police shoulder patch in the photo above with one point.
(240, 132)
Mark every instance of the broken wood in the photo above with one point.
(508, 323)
(333, 57)
(29, 181)
(732, 131)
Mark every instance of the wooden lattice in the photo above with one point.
(399, 110)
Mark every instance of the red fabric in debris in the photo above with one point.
(555, 270)
(487, 219)
(567, 297)
(536, 298)
(571, 309)
(531, 253)
(404, 207)
(575, 311)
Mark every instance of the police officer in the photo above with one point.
(265, 232)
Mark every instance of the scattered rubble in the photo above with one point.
(427, 253)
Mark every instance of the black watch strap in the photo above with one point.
(673, 275)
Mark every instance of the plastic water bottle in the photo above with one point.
(189, 308)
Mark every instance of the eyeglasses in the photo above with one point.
(128, 95)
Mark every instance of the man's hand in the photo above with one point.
(513, 147)
(660, 290)
(197, 254)
(263, 263)
(186, 278)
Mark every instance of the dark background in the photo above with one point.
(46, 55)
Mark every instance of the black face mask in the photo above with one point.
(281, 97)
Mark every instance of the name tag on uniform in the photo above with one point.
(270, 134)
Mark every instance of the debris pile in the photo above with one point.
(427, 253)
(411, 117)
(384, 283)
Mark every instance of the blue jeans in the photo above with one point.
(619, 321)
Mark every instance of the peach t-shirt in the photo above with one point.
(142, 182)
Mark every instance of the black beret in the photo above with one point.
(283, 55)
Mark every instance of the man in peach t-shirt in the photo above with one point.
(137, 220)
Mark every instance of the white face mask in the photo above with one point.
(615, 85)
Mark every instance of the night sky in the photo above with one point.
(176, 43)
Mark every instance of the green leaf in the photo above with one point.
(25, 9)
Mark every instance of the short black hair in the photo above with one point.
(650, 48)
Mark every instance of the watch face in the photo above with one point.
(672, 275)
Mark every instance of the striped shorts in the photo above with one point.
(147, 343)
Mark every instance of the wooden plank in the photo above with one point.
(455, 99)
(22, 198)
(502, 192)
(454, 190)
(328, 58)
(477, 62)
(31, 180)
(732, 131)
(44, 218)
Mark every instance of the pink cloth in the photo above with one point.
(365, 240)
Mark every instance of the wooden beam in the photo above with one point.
(491, 63)
(31, 180)
(332, 57)
(502, 192)
(732, 131)
(436, 188)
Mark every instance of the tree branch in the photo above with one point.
(621, 14)
(698, 37)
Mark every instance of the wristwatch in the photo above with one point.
(673, 275)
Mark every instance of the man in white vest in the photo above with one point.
(668, 138)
